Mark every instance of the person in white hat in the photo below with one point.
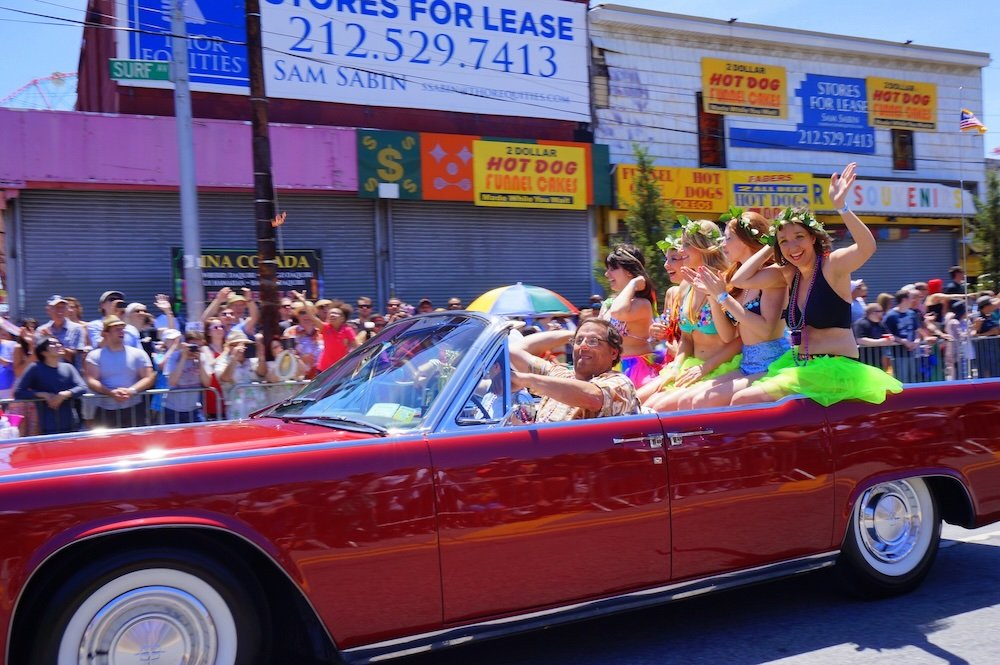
(70, 335)
(858, 292)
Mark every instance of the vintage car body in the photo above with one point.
(286, 537)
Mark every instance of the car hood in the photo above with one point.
(151, 443)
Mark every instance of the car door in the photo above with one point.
(543, 514)
(748, 486)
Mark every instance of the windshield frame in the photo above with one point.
(469, 365)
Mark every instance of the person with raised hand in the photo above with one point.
(631, 310)
(709, 344)
(756, 312)
(823, 362)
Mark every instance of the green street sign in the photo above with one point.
(139, 70)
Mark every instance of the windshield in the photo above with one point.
(393, 380)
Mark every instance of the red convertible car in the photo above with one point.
(393, 506)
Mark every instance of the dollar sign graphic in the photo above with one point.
(409, 186)
(371, 185)
(370, 142)
(408, 142)
(392, 170)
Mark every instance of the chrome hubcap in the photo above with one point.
(890, 520)
(154, 624)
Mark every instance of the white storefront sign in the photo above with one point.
(499, 57)
(909, 198)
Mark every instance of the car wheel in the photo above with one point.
(893, 538)
(171, 607)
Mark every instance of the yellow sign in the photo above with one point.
(902, 104)
(769, 192)
(528, 175)
(695, 191)
(743, 88)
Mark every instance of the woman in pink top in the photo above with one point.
(338, 337)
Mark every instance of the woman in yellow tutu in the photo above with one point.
(709, 343)
(755, 312)
(823, 362)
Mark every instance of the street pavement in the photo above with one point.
(953, 618)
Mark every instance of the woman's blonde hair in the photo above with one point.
(703, 236)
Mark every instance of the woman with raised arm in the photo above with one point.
(631, 311)
(756, 312)
(709, 344)
(823, 363)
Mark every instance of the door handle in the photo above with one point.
(654, 440)
(677, 438)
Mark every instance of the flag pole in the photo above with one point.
(961, 197)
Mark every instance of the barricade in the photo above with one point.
(986, 364)
(245, 398)
(921, 365)
(148, 409)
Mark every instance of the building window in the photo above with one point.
(902, 150)
(711, 137)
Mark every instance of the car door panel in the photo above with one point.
(748, 486)
(538, 515)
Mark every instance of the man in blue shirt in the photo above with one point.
(903, 322)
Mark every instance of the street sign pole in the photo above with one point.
(194, 292)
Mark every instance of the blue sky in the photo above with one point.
(33, 47)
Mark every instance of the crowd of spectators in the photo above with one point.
(925, 331)
(929, 330)
(137, 366)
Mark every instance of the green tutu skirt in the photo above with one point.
(726, 367)
(827, 379)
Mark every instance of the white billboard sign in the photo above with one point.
(499, 57)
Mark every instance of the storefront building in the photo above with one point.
(419, 98)
(759, 117)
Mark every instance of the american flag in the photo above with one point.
(968, 121)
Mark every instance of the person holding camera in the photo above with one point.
(237, 366)
(188, 369)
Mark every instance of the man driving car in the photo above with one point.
(591, 389)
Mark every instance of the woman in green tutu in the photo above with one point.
(823, 362)
(709, 343)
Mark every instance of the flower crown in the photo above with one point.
(737, 214)
(797, 216)
(671, 242)
(693, 227)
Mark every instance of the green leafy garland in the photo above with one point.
(737, 214)
(797, 216)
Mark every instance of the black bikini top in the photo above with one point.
(825, 309)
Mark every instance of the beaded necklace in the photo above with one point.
(798, 324)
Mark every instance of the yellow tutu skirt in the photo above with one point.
(726, 367)
(827, 379)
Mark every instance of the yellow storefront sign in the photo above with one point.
(528, 175)
(690, 191)
(770, 192)
(902, 104)
(743, 88)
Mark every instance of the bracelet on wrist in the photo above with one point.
(846, 208)
(721, 298)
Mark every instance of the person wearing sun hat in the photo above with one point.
(823, 363)
(234, 368)
(70, 334)
(120, 373)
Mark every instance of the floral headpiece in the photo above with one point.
(693, 227)
(737, 214)
(670, 243)
(797, 216)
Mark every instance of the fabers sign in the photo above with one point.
(509, 57)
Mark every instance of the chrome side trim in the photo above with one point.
(433, 641)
